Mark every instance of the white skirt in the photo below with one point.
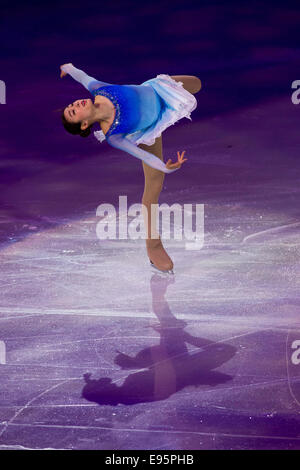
(179, 103)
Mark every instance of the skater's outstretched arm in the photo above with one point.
(122, 143)
(80, 76)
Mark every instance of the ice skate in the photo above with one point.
(160, 261)
(162, 271)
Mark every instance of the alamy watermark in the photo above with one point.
(293, 363)
(295, 355)
(115, 224)
(296, 94)
(2, 353)
(2, 92)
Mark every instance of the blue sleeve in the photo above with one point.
(120, 142)
(88, 82)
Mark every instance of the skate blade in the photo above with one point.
(160, 271)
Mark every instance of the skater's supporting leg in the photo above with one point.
(153, 185)
(190, 82)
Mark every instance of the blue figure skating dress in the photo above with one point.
(143, 111)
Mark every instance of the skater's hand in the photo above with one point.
(181, 160)
(62, 73)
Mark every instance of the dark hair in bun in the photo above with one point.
(74, 128)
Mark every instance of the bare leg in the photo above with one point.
(190, 82)
(153, 185)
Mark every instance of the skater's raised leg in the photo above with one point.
(189, 82)
(153, 185)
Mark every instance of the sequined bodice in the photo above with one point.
(137, 107)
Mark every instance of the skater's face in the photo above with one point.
(78, 111)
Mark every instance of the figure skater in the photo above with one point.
(132, 118)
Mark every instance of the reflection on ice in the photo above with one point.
(165, 368)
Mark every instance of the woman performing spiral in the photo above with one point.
(132, 118)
